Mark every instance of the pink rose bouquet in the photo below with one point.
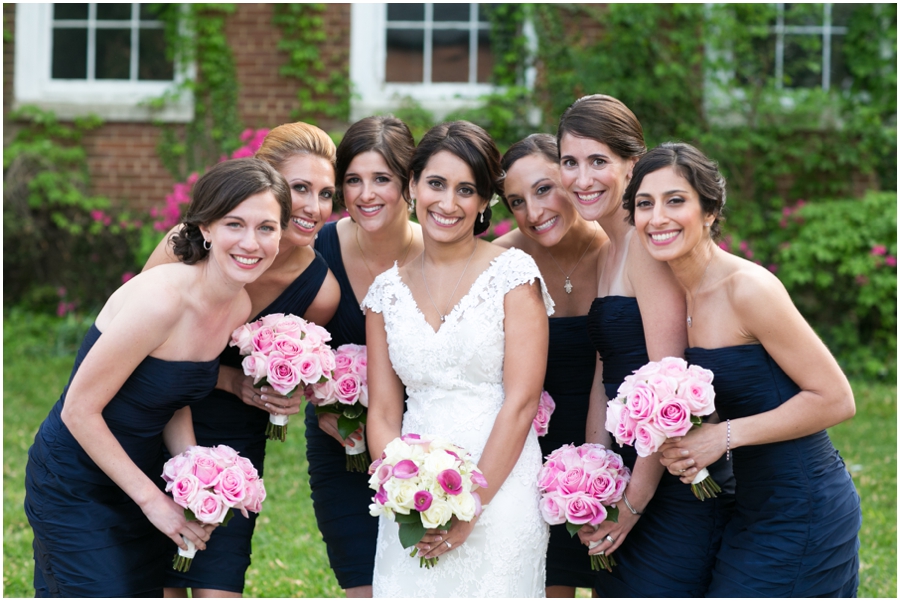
(422, 482)
(663, 399)
(209, 482)
(582, 485)
(285, 352)
(347, 396)
(546, 407)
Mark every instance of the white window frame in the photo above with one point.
(826, 30)
(368, 58)
(112, 100)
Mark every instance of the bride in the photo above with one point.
(463, 327)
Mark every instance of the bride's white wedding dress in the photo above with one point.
(454, 379)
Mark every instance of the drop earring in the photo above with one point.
(481, 219)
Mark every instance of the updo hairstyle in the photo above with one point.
(384, 134)
(604, 119)
(472, 145)
(540, 144)
(218, 192)
(691, 164)
(290, 139)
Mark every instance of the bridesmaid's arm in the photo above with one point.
(595, 428)
(325, 305)
(178, 434)
(385, 414)
(768, 315)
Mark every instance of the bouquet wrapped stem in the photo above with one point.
(601, 562)
(183, 559)
(277, 427)
(704, 487)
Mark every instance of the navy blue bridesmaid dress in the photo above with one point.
(340, 498)
(571, 360)
(223, 418)
(90, 538)
(795, 530)
(671, 550)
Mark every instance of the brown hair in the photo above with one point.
(291, 139)
(541, 144)
(218, 192)
(604, 119)
(384, 134)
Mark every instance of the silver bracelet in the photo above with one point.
(628, 505)
(728, 440)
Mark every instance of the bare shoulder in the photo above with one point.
(513, 239)
(752, 287)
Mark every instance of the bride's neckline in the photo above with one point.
(452, 315)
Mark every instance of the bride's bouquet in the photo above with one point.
(663, 399)
(209, 482)
(581, 485)
(422, 482)
(346, 394)
(285, 352)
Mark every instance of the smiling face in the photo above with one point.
(594, 176)
(245, 241)
(372, 192)
(311, 180)
(539, 203)
(447, 203)
(668, 215)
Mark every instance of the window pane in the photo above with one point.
(148, 12)
(406, 12)
(113, 53)
(485, 57)
(804, 14)
(152, 63)
(802, 61)
(484, 12)
(451, 12)
(69, 54)
(113, 12)
(840, 14)
(405, 56)
(840, 75)
(450, 55)
(70, 11)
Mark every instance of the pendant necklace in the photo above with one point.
(444, 314)
(568, 285)
(363, 255)
(690, 322)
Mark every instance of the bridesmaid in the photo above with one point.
(298, 282)
(565, 248)
(665, 540)
(795, 531)
(93, 493)
(373, 186)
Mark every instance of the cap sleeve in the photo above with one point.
(375, 297)
(520, 268)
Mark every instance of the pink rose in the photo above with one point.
(347, 388)
(263, 340)
(316, 334)
(286, 345)
(625, 430)
(246, 466)
(699, 396)
(581, 509)
(553, 508)
(309, 368)
(185, 489)
(673, 367)
(673, 417)
(615, 412)
(647, 439)
(343, 363)
(364, 395)
(548, 476)
(225, 455)
(702, 374)
(256, 366)
(206, 469)
(647, 370)
(571, 481)
(231, 485)
(291, 326)
(601, 485)
(270, 321)
(254, 495)
(324, 393)
(281, 374)
(541, 421)
(595, 457)
(243, 339)
(641, 402)
(177, 466)
(208, 507)
(663, 386)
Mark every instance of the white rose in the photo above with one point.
(400, 494)
(397, 451)
(462, 505)
(437, 515)
(437, 462)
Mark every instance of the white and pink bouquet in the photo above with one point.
(663, 399)
(346, 394)
(546, 407)
(209, 482)
(582, 485)
(422, 482)
(285, 352)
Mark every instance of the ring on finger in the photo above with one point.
(681, 471)
(449, 545)
(611, 540)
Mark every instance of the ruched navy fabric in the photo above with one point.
(91, 539)
(340, 498)
(795, 530)
(570, 372)
(223, 418)
(671, 550)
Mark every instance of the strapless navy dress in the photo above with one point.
(223, 418)
(90, 538)
(340, 498)
(671, 550)
(571, 360)
(795, 530)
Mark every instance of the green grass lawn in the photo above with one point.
(289, 557)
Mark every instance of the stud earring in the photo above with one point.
(207, 244)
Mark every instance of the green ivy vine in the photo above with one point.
(324, 90)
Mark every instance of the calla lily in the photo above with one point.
(405, 469)
(450, 481)
(479, 479)
(422, 500)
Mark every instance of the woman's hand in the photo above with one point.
(168, 517)
(265, 398)
(328, 424)
(685, 456)
(437, 542)
(609, 535)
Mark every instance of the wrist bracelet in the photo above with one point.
(728, 440)
(630, 508)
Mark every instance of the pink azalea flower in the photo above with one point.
(879, 249)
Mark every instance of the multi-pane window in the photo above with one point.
(108, 42)
(437, 43)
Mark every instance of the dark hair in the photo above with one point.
(384, 134)
(290, 139)
(604, 119)
(472, 145)
(691, 164)
(218, 192)
(541, 144)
